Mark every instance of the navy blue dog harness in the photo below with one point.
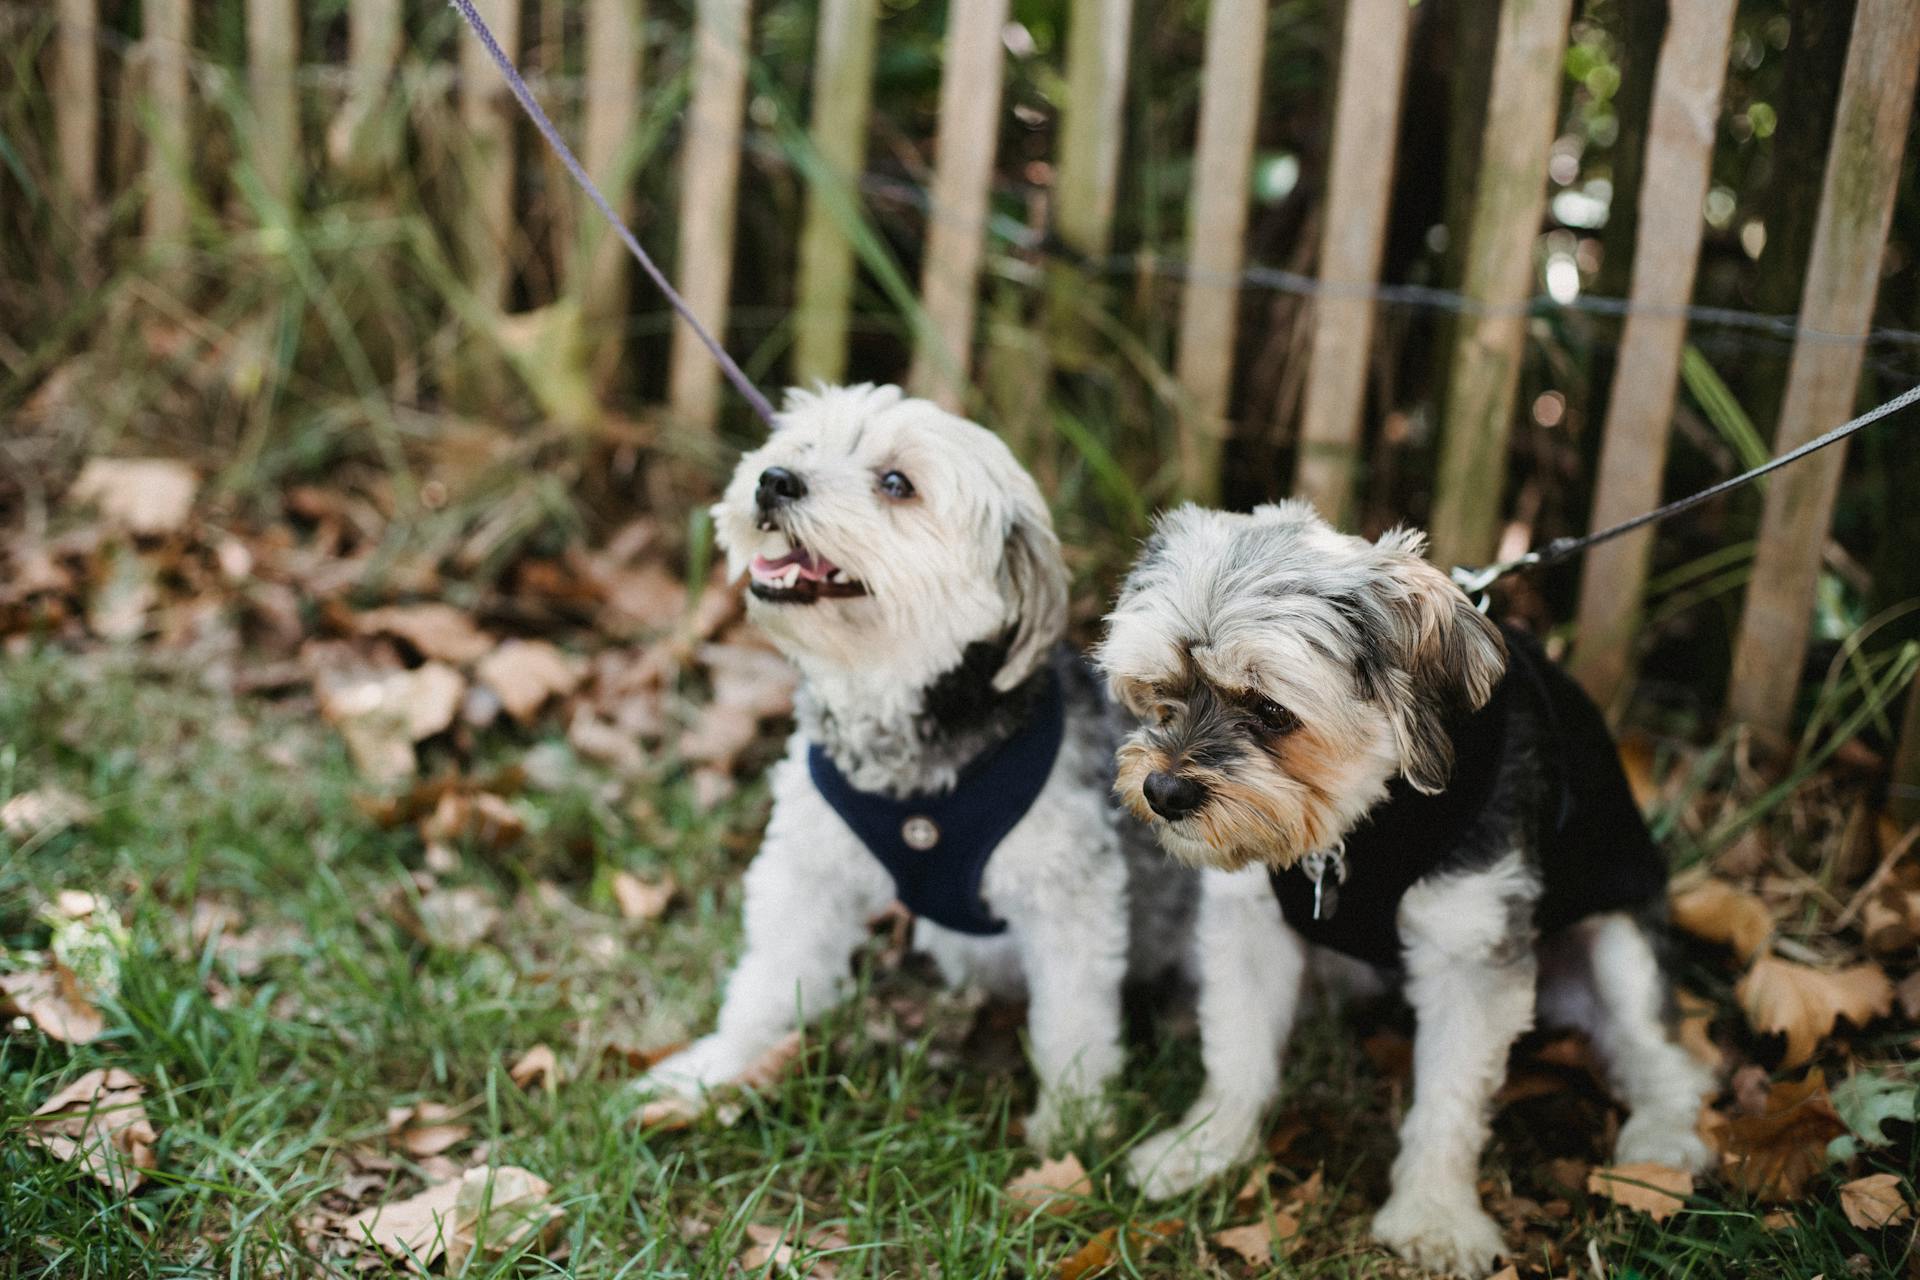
(936, 845)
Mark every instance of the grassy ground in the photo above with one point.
(270, 1088)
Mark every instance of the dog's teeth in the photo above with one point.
(836, 576)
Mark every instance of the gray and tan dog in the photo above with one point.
(948, 754)
(1362, 763)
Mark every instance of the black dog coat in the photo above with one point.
(1594, 853)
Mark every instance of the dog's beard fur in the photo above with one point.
(969, 559)
(1366, 648)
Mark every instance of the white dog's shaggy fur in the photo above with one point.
(1294, 685)
(906, 564)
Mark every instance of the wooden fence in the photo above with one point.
(1856, 199)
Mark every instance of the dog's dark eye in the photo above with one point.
(1273, 717)
(896, 485)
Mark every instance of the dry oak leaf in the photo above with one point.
(769, 1245)
(439, 631)
(415, 1229)
(147, 496)
(1718, 912)
(1803, 1003)
(1052, 1186)
(523, 674)
(500, 1209)
(101, 1120)
(53, 1000)
(1101, 1252)
(382, 714)
(1657, 1190)
(451, 919)
(537, 1067)
(1776, 1153)
(1255, 1241)
(640, 899)
(1875, 1201)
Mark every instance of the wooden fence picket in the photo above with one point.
(1366, 126)
(1216, 235)
(1523, 111)
(1092, 122)
(375, 34)
(486, 116)
(1633, 451)
(1836, 310)
(166, 33)
(965, 146)
(614, 39)
(842, 98)
(709, 183)
(77, 122)
(273, 92)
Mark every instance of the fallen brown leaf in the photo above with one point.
(451, 919)
(43, 811)
(53, 1000)
(523, 674)
(1804, 1003)
(438, 631)
(1696, 1028)
(382, 714)
(147, 496)
(1718, 912)
(538, 1067)
(767, 1244)
(642, 899)
(101, 1120)
(1776, 1153)
(498, 1210)
(415, 1228)
(1099, 1253)
(1875, 1201)
(1053, 1186)
(1657, 1190)
(1255, 1242)
(426, 1128)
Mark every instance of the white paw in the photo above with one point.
(1179, 1159)
(1059, 1116)
(705, 1064)
(1442, 1235)
(1651, 1137)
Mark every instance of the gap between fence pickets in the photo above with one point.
(1685, 116)
(1842, 279)
(1366, 128)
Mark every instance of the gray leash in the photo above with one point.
(735, 374)
(1476, 581)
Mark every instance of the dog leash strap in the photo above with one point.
(735, 374)
(1475, 581)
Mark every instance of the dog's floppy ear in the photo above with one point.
(1033, 578)
(1452, 657)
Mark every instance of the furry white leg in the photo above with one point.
(806, 911)
(1470, 979)
(1250, 970)
(1619, 996)
(1075, 962)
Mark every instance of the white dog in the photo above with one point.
(944, 756)
(1364, 763)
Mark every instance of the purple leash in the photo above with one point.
(735, 374)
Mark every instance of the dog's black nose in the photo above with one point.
(1172, 796)
(778, 487)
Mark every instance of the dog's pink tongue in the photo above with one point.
(818, 569)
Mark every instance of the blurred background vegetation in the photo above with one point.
(338, 337)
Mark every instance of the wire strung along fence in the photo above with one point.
(618, 131)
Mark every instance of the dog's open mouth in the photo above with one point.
(800, 577)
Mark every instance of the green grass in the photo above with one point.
(895, 1130)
